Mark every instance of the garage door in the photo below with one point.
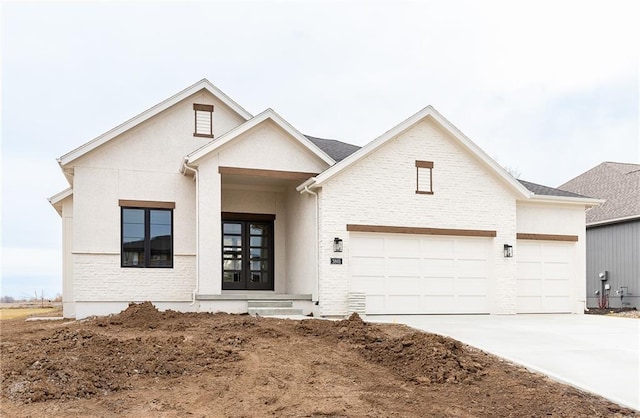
(544, 270)
(415, 274)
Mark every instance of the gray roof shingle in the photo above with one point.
(337, 150)
(547, 191)
(618, 183)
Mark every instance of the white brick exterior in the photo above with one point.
(99, 278)
(380, 190)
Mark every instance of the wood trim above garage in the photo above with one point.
(420, 231)
(547, 237)
(255, 172)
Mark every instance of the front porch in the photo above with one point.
(256, 239)
(262, 303)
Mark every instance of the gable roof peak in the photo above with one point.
(251, 123)
(148, 114)
(461, 138)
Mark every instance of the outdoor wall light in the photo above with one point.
(337, 245)
(508, 250)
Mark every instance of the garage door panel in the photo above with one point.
(529, 270)
(369, 285)
(437, 248)
(556, 252)
(555, 288)
(471, 286)
(470, 250)
(438, 286)
(472, 268)
(403, 266)
(367, 266)
(403, 247)
(403, 303)
(528, 251)
(556, 270)
(375, 303)
(472, 304)
(438, 267)
(544, 272)
(438, 304)
(369, 247)
(556, 304)
(421, 274)
(403, 285)
(529, 304)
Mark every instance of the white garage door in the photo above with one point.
(416, 274)
(544, 270)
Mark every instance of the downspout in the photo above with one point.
(195, 179)
(307, 190)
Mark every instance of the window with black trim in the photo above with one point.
(147, 237)
(424, 177)
(203, 120)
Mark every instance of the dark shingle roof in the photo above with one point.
(618, 183)
(547, 191)
(337, 150)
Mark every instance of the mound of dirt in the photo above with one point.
(137, 315)
(426, 358)
(83, 363)
(142, 362)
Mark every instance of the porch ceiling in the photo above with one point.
(262, 178)
(239, 180)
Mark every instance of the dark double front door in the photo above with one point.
(247, 254)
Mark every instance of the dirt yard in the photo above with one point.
(142, 363)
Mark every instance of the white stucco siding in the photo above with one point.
(68, 305)
(97, 211)
(301, 239)
(160, 143)
(268, 147)
(380, 190)
(558, 219)
(209, 231)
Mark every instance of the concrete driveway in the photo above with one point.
(595, 353)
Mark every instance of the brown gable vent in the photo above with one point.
(203, 120)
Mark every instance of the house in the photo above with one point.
(613, 233)
(197, 205)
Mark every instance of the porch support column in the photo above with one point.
(209, 229)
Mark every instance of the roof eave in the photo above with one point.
(585, 201)
(614, 221)
(57, 199)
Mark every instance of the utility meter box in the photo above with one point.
(604, 275)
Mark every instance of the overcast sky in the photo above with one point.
(548, 88)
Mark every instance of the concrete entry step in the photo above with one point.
(270, 304)
(270, 311)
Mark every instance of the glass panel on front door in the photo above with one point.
(247, 255)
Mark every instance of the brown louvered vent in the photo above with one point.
(203, 120)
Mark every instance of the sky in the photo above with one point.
(548, 89)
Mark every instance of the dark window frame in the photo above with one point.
(424, 165)
(147, 236)
(246, 219)
(207, 109)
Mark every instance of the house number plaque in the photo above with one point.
(336, 261)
